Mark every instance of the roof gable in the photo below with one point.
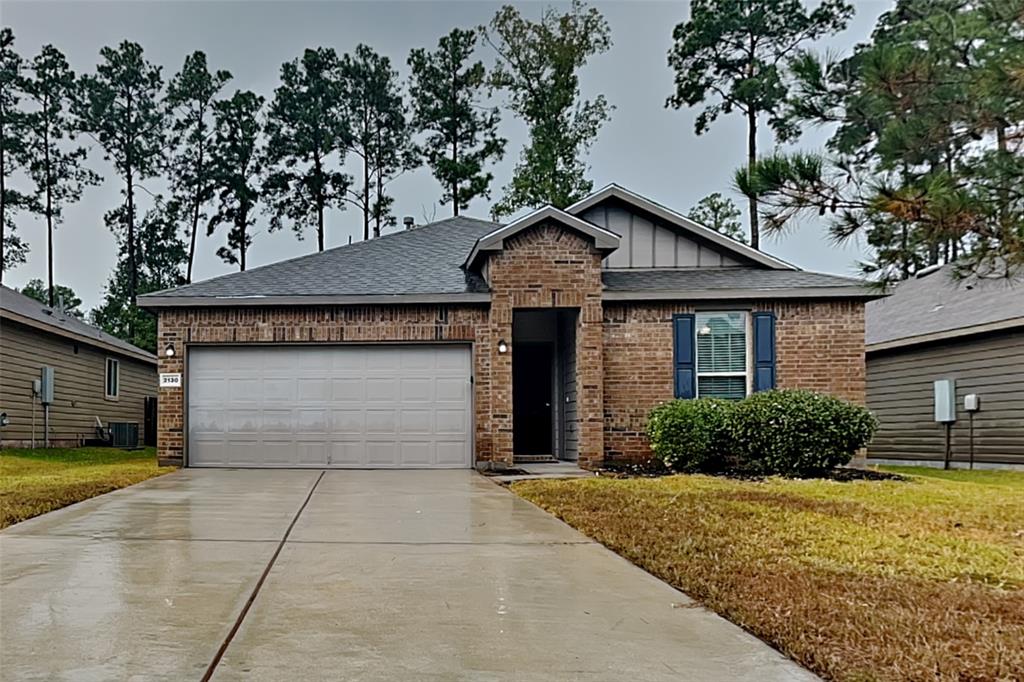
(604, 240)
(726, 246)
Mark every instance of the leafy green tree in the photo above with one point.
(66, 296)
(190, 97)
(122, 109)
(307, 134)
(462, 134)
(161, 256)
(538, 67)
(926, 161)
(720, 214)
(732, 55)
(55, 163)
(236, 169)
(379, 134)
(13, 153)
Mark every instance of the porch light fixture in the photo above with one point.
(169, 351)
(502, 346)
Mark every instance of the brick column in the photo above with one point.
(170, 404)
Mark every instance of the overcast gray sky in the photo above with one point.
(646, 147)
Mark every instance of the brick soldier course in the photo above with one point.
(624, 334)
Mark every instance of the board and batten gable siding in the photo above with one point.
(79, 387)
(900, 393)
(647, 243)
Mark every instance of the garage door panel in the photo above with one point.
(333, 406)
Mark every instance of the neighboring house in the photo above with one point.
(96, 375)
(465, 342)
(935, 327)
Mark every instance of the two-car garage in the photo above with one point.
(355, 406)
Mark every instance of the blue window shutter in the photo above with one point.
(684, 356)
(764, 351)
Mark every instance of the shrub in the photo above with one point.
(797, 432)
(690, 435)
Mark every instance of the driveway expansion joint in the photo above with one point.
(259, 584)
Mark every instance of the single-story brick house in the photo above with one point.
(469, 343)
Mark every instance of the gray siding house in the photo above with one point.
(935, 327)
(96, 376)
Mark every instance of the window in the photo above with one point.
(113, 377)
(721, 351)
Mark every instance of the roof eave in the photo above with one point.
(134, 353)
(157, 302)
(945, 335)
(861, 293)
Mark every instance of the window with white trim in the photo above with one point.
(721, 349)
(113, 378)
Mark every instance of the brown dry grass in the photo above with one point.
(33, 482)
(865, 580)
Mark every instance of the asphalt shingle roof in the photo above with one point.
(937, 303)
(429, 260)
(721, 278)
(19, 304)
(423, 260)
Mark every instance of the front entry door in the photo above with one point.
(531, 398)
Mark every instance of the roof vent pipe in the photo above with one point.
(409, 222)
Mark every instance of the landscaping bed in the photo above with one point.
(913, 579)
(33, 482)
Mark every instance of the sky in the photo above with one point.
(645, 147)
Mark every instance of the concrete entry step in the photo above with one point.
(534, 459)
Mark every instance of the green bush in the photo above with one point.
(690, 435)
(797, 432)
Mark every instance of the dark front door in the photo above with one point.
(531, 398)
(149, 422)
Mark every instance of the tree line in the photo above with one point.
(336, 132)
(924, 160)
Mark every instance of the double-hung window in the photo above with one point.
(722, 354)
(113, 378)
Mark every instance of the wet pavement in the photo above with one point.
(366, 575)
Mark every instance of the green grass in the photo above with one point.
(921, 579)
(33, 482)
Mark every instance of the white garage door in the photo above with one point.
(329, 406)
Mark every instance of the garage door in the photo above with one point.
(329, 406)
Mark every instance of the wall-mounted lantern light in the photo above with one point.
(169, 351)
(502, 346)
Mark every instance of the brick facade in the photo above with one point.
(549, 267)
(623, 350)
(819, 346)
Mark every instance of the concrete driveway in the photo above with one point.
(359, 575)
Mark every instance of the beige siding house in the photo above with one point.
(934, 327)
(96, 376)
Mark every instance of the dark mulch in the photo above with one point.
(505, 472)
(653, 468)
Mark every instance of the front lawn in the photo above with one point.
(920, 579)
(33, 482)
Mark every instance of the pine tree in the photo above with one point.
(720, 214)
(13, 152)
(55, 163)
(446, 92)
(190, 96)
(307, 133)
(65, 296)
(733, 53)
(379, 134)
(236, 169)
(122, 108)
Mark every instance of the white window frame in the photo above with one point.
(748, 333)
(116, 365)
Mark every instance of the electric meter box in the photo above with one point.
(945, 400)
(46, 385)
